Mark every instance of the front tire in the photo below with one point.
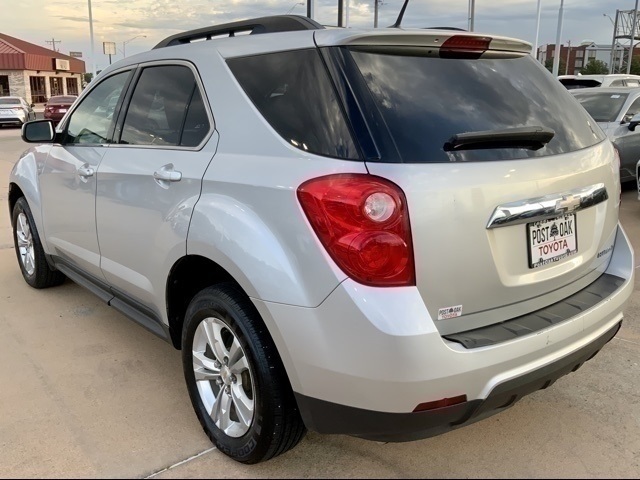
(235, 378)
(31, 257)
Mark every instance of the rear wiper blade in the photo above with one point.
(532, 138)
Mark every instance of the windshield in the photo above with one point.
(603, 107)
(9, 101)
(425, 100)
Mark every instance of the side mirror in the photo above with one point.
(634, 122)
(33, 105)
(38, 131)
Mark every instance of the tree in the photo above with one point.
(635, 66)
(563, 66)
(595, 67)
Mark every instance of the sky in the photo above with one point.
(143, 23)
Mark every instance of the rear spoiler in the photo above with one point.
(420, 38)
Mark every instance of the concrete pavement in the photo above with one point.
(84, 392)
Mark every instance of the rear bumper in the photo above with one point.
(368, 354)
(327, 417)
(11, 121)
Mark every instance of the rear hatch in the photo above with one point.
(509, 219)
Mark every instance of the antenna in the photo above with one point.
(399, 20)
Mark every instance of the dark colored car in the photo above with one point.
(57, 106)
(615, 110)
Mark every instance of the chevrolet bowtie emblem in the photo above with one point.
(567, 204)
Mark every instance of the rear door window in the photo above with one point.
(425, 100)
(160, 109)
(293, 93)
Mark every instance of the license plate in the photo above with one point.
(62, 110)
(552, 240)
(6, 112)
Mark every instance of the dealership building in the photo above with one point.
(36, 73)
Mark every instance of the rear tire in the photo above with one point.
(242, 397)
(31, 257)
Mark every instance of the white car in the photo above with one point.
(15, 111)
(572, 82)
(387, 233)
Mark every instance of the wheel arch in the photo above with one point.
(193, 273)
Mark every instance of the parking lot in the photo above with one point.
(87, 393)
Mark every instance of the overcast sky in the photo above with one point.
(118, 21)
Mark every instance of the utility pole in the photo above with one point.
(53, 42)
(566, 66)
(472, 14)
(340, 12)
(633, 37)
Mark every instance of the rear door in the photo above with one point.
(150, 180)
(498, 229)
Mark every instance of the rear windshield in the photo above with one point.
(64, 100)
(425, 100)
(576, 83)
(9, 101)
(603, 107)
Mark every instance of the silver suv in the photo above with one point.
(382, 233)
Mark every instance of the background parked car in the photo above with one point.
(57, 107)
(15, 111)
(614, 109)
(573, 82)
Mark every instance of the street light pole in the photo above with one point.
(612, 68)
(472, 14)
(346, 9)
(124, 44)
(535, 45)
(93, 53)
(556, 56)
(633, 37)
(311, 10)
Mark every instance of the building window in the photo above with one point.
(592, 54)
(4, 85)
(580, 54)
(578, 63)
(72, 86)
(38, 89)
(56, 86)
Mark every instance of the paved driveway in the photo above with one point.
(84, 392)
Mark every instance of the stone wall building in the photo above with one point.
(36, 73)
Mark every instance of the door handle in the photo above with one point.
(167, 174)
(85, 171)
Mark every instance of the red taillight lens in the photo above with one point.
(363, 223)
(464, 46)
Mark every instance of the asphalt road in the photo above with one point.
(84, 392)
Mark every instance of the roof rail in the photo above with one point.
(276, 23)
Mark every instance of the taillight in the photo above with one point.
(464, 46)
(363, 223)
